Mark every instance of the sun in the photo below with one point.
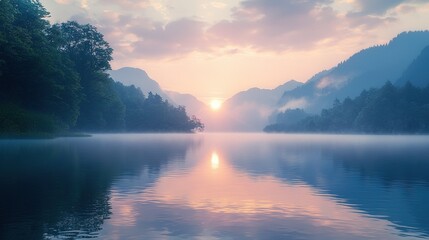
(215, 104)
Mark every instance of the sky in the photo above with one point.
(216, 48)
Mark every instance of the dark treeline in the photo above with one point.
(152, 113)
(52, 79)
(389, 109)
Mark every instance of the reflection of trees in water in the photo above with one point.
(384, 180)
(391, 182)
(401, 164)
(61, 188)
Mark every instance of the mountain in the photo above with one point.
(387, 110)
(418, 72)
(139, 78)
(192, 104)
(268, 97)
(369, 68)
(251, 110)
(246, 111)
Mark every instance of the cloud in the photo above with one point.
(63, 1)
(294, 103)
(380, 7)
(176, 38)
(84, 4)
(330, 82)
(154, 39)
(272, 26)
(377, 6)
(218, 4)
(128, 4)
(261, 25)
(275, 25)
(139, 37)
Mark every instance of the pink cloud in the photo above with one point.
(178, 37)
(282, 25)
(261, 25)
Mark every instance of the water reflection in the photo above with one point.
(223, 186)
(261, 207)
(61, 188)
(215, 161)
(385, 177)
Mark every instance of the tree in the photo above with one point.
(101, 108)
(33, 74)
(385, 110)
(53, 78)
(153, 114)
(85, 46)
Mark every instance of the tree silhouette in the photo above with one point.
(385, 110)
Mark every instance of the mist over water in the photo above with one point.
(220, 186)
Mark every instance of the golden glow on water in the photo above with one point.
(215, 161)
(231, 194)
(214, 191)
(125, 214)
(219, 186)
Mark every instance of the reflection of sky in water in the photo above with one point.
(211, 186)
(216, 193)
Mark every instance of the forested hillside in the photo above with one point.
(366, 69)
(389, 109)
(418, 71)
(53, 79)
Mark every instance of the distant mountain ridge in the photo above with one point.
(139, 78)
(418, 71)
(403, 58)
(245, 111)
(251, 110)
(263, 96)
(193, 105)
(368, 68)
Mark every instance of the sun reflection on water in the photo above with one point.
(206, 195)
(215, 161)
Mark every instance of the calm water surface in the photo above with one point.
(215, 186)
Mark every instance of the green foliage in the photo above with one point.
(385, 110)
(15, 121)
(52, 78)
(34, 75)
(101, 108)
(85, 46)
(153, 114)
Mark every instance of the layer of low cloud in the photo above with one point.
(293, 104)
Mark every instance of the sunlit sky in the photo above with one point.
(213, 49)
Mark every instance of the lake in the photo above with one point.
(215, 186)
